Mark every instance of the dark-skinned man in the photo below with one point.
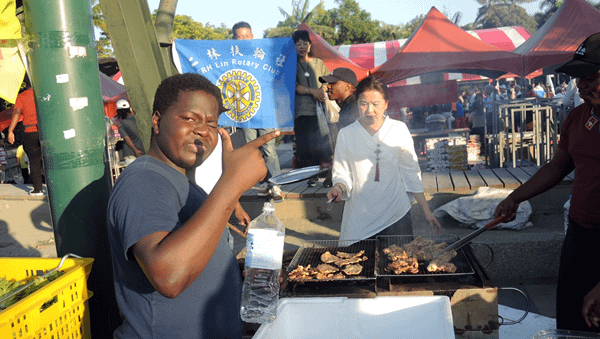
(175, 274)
(578, 287)
(341, 85)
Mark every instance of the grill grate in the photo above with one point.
(310, 253)
(463, 265)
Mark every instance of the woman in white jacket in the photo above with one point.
(376, 171)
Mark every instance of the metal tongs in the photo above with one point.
(330, 203)
(470, 237)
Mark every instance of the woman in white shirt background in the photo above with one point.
(376, 170)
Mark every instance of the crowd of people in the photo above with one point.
(175, 273)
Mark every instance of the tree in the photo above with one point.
(512, 15)
(103, 43)
(501, 13)
(352, 24)
(184, 27)
(317, 19)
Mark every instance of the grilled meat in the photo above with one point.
(441, 266)
(326, 269)
(405, 259)
(352, 269)
(300, 272)
(339, 275)
(447, 256)
(329, 258)
(410, 265)
(345, 255)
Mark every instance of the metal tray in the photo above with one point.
(310, 252)
(297, 175)
(463, 265)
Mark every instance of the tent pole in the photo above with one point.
(71, 126)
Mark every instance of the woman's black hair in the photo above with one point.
(301, 35)
(372, 83)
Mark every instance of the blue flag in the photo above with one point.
(257, 78)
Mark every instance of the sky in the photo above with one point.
(263, 14)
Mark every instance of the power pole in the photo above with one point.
(142, 60)
(64, 71)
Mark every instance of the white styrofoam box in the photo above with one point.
(381, 317)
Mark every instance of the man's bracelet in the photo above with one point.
(341, 188)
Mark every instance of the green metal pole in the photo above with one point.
(143, 62)
(64, 72)
(165, 16)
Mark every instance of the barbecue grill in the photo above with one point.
(473, 296)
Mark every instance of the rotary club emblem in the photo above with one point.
(241, 94)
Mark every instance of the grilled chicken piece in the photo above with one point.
(441, 266)
(352, 269)
(326, 269)
(300, 272)
(410, 265)
(329, 258)
(324, 275)
(349, 261)
(345, 255)
(392, 248)
(446, 257)
(420, 242)
(338, 275)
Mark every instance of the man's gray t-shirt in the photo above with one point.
(129, 128)
(150, 197)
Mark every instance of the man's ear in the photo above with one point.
(155, 122)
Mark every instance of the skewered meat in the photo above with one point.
(352, 269)
(345, 255)
(326, 269)
(329, 258)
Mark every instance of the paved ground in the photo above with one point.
(25, 230)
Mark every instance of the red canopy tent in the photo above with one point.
(372, 55)
(440, 46)
(556, 41)
(330, 56)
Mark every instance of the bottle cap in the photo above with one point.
(268, 207)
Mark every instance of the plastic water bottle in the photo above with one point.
(566, 207)
(264, 253)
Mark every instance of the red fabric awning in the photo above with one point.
(556, 41)
(440, 46)
(330, 56)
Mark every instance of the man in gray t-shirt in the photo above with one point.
(175, 275)
(128, 129)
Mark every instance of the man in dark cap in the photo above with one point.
(341, 85)
(578, 287)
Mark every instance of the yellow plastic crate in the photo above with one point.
(65, 313)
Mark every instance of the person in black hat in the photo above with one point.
(578, 287)
(341, 85)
